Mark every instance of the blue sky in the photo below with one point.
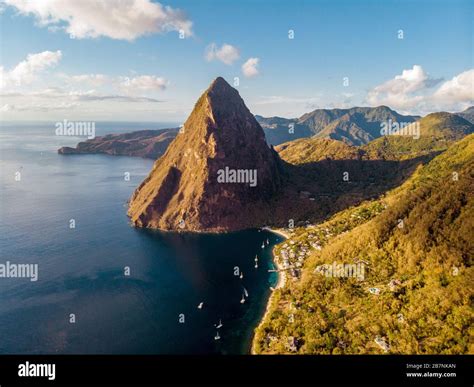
(85, 77)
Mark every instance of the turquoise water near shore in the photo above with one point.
(81, 270)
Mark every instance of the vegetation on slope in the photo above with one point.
(308, 150)
(417, 293)
(436, 132)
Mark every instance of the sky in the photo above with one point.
(144, 60)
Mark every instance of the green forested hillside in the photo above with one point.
(306, 150)
(436, 132)
(417, 245)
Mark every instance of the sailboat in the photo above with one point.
(243, 299)
(201, 305)
(268, 242)
(256, 265)
(241, 274)
(256, 258)
(246, 293)
(217, 337)
(263, 245)
(219, 325)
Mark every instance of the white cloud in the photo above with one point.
(458, 90)
(116, 19)
(398, 92)
(227, 54)
(7, 108)
(3, 78)
(129, 85)
(408, 81)
(27, 70)
(82, 95)
(56, 99)
(250, 68)
(142, 83)
(39, 107)
(75, 95)
(94, 80)
(410, 92)
(30, 69)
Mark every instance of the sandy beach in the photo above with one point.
(280, 283)
(280, 232)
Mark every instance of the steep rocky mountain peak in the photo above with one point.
(218, 174)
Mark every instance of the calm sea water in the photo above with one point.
(81, 270)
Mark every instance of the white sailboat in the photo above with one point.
(218, 326)
(241, 274)
(256, 258)
(200, 305)
(243, 299)
(268, 242)
(256, 265)
(246, 293)
(217, 337)
(263, 245)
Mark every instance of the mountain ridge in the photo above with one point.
(467, 114)
(341, 124)
(436, 131)
(355, 126)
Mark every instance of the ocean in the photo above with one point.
(104, 287)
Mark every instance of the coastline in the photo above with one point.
(280, 284)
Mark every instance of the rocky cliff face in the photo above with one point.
(218, 174)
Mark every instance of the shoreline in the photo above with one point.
(281, 281)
